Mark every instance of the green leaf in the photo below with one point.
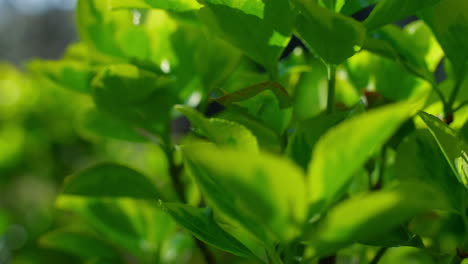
(221, 132)
(252, 26)
(82, 244)
(352, 7)
(388, 11)
(407, 255)
(171, 5)
(200, 222)
(104, 125)
(334, 37)
(345, 148)
(372, 214)
(70, 74)
(449, 22)
(110, 180)
(251, 189)
(454, 149)
(134, 95)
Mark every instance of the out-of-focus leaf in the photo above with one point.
(221, 132)
(334, 37)
(449, 22)
(345, 148)
(83, 244)
(419, 158)
(171, 5)
(352, 7)
(388, 11)
(104, 125)
(454, 149)
(200, 222)
(251, 189)
(110, 180)
(372, 214)
(134, 95)
(252, 26)
(406, 255)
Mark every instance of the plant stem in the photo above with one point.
(209, 258)
(378, 255)
(331, 88)
(460, 106)
(381, 169)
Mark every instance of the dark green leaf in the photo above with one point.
(110, 180)
(352, 7)
(200, 222)
(334, 37)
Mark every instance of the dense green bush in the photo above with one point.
(345, 150)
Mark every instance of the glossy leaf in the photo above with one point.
(388, 11)
(221, 132)
(251, 189)
(200, 222)
(345, 148)
(454, 149)
(252, 26)
(334, 37)
(171, 5)
(370, 215)
(449, 21)
(110, 180)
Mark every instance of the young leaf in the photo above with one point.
(252, 26)
(263, 193)
(345, 148)
(334, 37)
(78, 243)
(449, 22)
(110, 180)
(388, 11)
(170, 5)
(221, 132)
(370, 215)
(200, 222)
(454, 149)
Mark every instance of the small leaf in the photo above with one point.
(334, 37)
(252, 26)
(346, 147)
(251, 189)
(200, 222)
(454, 149)
(82, 244)
(221, 132)
(370, 215)
(170, 5)
(388, 11)
(110, 180)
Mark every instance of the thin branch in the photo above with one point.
(331, 88)
(378, 255)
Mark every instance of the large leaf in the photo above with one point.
(134, 95)
(388, 11)
(345, 148)
(252, 26)
(110, 180)
(82, 244)
(221, 132)
(262, 193)
(449, 21)
(334, 37)
(454, 149)
(370, 215)
(200, 222)
(171, 5)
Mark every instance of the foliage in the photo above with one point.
(345, 150)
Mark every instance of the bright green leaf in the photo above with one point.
(334, 37)
(171, 5)
(110, 180)
(221, 132)
(262, 193)
(200, 222)
(388, 11)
